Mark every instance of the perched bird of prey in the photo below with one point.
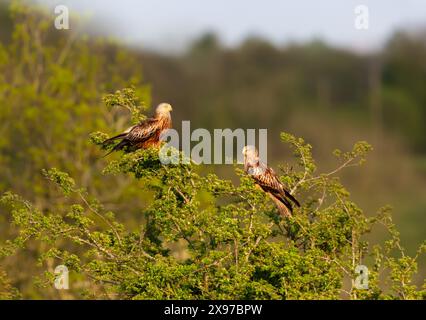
(268, 181)
(146, 133)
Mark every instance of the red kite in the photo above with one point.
(268, 181)
(146, 133)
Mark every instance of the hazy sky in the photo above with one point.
(170, 24)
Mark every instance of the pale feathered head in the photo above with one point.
(250, 152)
(163, 109)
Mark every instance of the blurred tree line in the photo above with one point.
(279, 81)
(52, 83)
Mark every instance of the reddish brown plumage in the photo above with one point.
(146, 133)
(268, 181)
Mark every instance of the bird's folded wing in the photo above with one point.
(143, 131)
(269, 180)
(266, 177)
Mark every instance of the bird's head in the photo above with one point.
(163, 109)
(250, 152)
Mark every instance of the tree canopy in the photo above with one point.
(206, 238)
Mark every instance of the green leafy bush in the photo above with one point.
(205, 238)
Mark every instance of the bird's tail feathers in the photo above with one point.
(119, 146)
(292, 198)
(284, 210)
(119, 136)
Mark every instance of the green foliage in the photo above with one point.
(7, 291)
(51, 82)
(61, 179)
(205, 238)
(128, 99)
(51, 87)
(176, 232)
